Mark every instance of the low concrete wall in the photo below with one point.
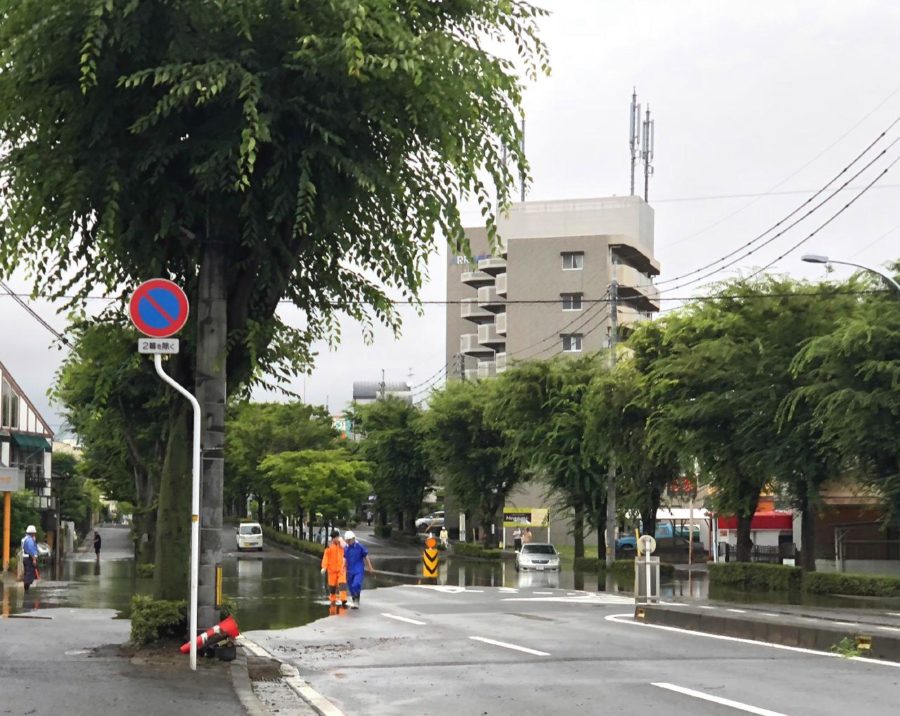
(888, 567)
(783, 630)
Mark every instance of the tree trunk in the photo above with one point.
(807, 532)
(744, 543)
(578, 530)
(212, 330)
(648, 516)
(170, 577)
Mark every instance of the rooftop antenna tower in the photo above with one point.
(634, 134)
(648, 140)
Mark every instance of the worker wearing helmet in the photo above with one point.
(29, 556)
(357, 558)
(334, 565)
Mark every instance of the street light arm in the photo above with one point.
(887, 278)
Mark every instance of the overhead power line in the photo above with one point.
(798, 209)
(18, 299)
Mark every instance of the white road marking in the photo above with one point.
(718, 700)
(707, 606)
(848, 624)
(737, 611)
(544, 593)
(893, 614)
(586, 599)
(505, 645)
(403, 619)
(629, 619)
(884, 628)
(770, 614)
(508, 589)
(445, 588)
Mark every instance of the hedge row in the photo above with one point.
(863, 585)
(301, 545)
(755, 577)
(622, 569)
(469, 549)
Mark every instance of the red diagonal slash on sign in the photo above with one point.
(149, 298)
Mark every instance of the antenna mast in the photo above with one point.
(649, 136)
(634, 134)
(522, 171)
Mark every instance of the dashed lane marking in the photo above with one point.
(605, 599)
(544, 593)
(717, 700)
(737, 611)
(506, 645)
(403, 619)
(707, 606)
(508, 589)
(887, 628)
(445, 588)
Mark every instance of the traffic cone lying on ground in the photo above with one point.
(226, 628)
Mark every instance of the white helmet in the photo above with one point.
(30, 530)
(348, 535)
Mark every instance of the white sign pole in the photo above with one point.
(195, 505)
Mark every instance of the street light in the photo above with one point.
(819, 259)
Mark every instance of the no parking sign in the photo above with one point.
(159, 308)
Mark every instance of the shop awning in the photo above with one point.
(761, 521)
(30, 442)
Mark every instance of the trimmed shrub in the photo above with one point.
(13, 564)
(476, 551)
(864, 585)
(383, 531)
(286, 540)
(156, 619)
(586, 564)
(754, 577)
(623, 569)
(145, 571)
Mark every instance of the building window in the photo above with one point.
(572, 260)
(571, 301)
(571, 343)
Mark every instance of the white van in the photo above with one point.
(249, 536)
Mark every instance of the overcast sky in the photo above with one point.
(757, 105)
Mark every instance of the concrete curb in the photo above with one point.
(240, 681)
(818, 635)
(291, 677)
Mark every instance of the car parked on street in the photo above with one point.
(248, 535)
(433, 519)
(537, 556)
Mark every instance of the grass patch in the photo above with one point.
(863, 585)
(754, 577)
(301, 545)
(145, 571)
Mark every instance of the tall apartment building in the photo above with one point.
(545, 291)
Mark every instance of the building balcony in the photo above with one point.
(486, 369)
(635, 253)
(500, 323)
(488, 336)
(476, 279)
(492, 265)
(500, 284)
(629, 316)
(499, 363)
(489, 300)
(471, 311)
(636, 287)
(469, 345)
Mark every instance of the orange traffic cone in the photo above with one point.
(226, 628)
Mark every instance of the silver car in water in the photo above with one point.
(538, 557)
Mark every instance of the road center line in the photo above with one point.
(515, 647)
(718, 700)
(403, 619)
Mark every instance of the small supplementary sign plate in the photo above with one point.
(163, 346)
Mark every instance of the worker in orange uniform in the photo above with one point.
(335, 566)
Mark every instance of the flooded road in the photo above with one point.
(276, 590)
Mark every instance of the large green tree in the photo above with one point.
(255, 151)
(848, 387)
(470, 453)
(392, 443)
(541, 408)
(256, 430)
(120, 412)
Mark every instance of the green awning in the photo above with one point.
(30, 442)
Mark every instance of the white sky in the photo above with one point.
(748, 97)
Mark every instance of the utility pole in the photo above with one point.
(461, 365)
(634, 134)
(382, 384)
(649, 131)
(611, 475)
(522, 171)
